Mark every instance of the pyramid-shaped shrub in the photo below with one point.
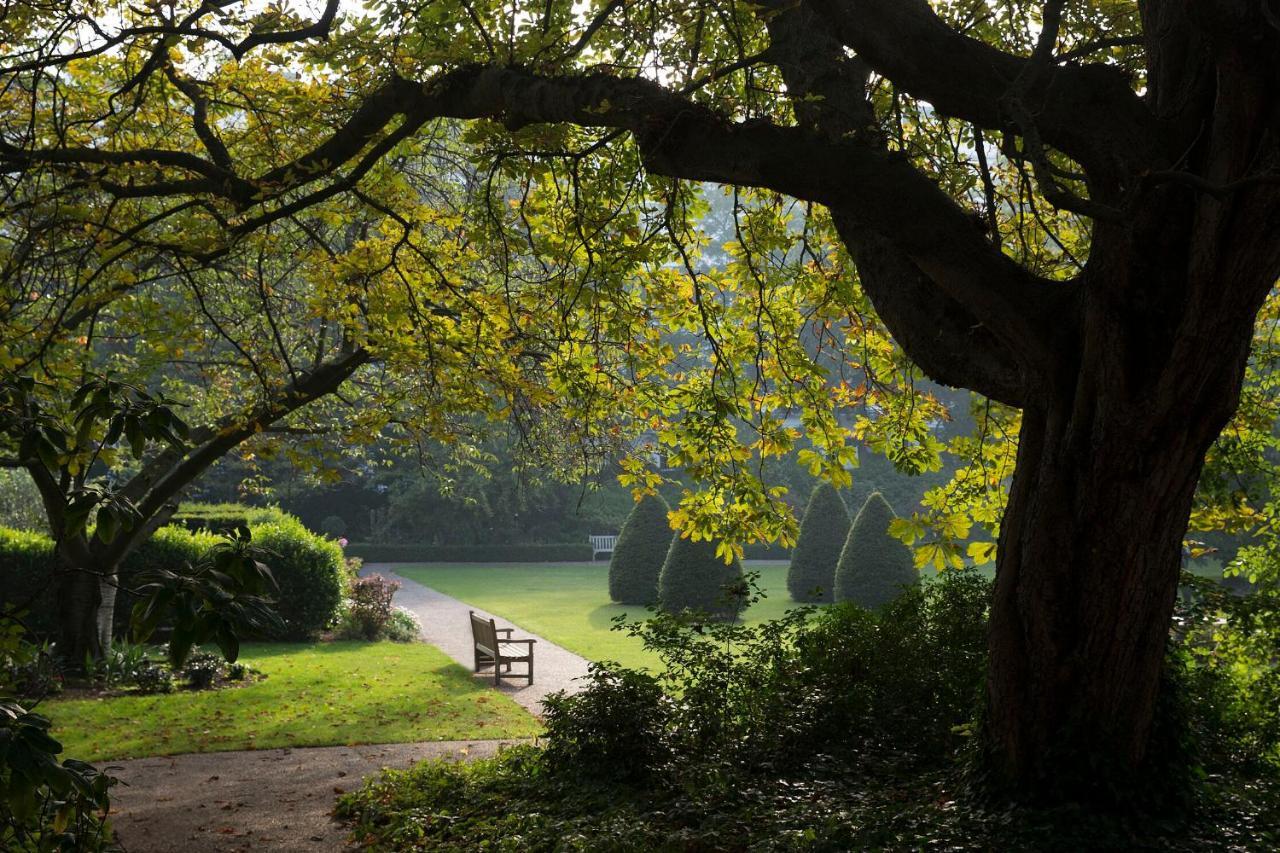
(873, 567)
(823, 529)
(640, 552)
(694, 578)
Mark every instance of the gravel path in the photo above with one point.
(445, 624)
(276, 800)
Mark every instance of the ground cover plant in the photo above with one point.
(312, 695)
(838, 729)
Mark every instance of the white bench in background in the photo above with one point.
(602, 545)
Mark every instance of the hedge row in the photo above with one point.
(309, 569)
(410, 553)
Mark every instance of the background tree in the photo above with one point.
(812, 574)
(874, 567)
(640, 552)
(1067, 208)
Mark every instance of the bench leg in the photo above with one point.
(531, 668)
(497, 672)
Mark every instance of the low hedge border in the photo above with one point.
(413, 553)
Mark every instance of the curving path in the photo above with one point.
(445, 625)
(276, 800)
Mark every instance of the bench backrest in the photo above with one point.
(485, 633)
(603, 543)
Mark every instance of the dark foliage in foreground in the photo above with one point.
(825, 730)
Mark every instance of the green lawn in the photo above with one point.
(568, 603)
(324, 694)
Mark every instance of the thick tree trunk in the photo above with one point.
(1090, 546)
(1087, 574)
(79, 602)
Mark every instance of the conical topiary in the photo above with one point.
(873, 567)
(694, 578)
(639, 553)
(825, 526)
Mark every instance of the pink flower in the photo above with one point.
(342, 542)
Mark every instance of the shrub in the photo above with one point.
(201, 670)
(414, 553)
(334, 526)
(614, 729)
(812, 575)
(36, 675)
(694, 578)
(640, 552)
(171, 548)
(371, 604)
(874, 567)
(402, 627)
(310, 573)
(153, 678)
(27, 565)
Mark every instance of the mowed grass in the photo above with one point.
(568, 603)
(324, 694)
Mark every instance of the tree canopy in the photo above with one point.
(1069, 209)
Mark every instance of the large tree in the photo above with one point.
(1070, 208)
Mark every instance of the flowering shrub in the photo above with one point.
(402, 627)
(371, 604)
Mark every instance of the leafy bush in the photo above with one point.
(402, 627)
(202, 670)
(153, 678)
(874, 567)
(47, 804)
(34, 675)
(172, 549)
(310, 574)
(694, 578)
(334, 526)
(640, 552)
(412, 553)
(614, 730)
(812, 574)
(371, 604)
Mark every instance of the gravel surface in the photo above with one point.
(276, 800)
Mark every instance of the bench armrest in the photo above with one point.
(510, 640)
(506, 631)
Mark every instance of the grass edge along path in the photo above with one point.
(568, 603)
(315, 694)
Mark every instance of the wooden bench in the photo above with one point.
(602, 545)
(499, 651)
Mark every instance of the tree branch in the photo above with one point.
(1089, 112)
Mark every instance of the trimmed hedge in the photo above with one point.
(220, 518)
(874, 567)
(27, 560)
(812, 575)
(641, 550)
(311, 573)
(412, 553)
(309, 569)
(694, 578)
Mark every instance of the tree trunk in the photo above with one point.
(107, 609)
(79, 602)
(1090, 546)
